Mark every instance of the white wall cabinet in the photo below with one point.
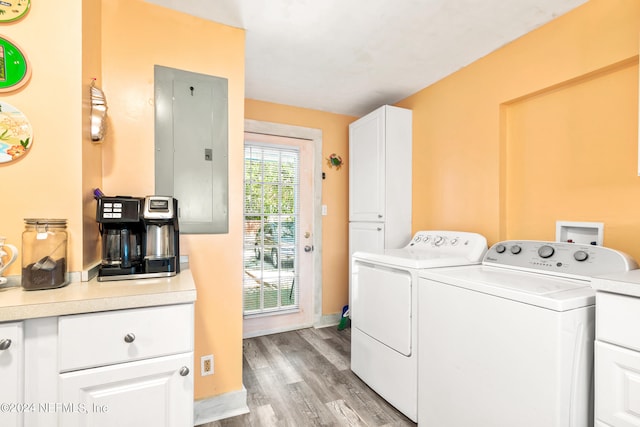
(380, 146)
(617, 360)
(11, 373)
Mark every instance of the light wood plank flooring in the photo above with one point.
(302, 378)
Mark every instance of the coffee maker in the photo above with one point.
(140, 237)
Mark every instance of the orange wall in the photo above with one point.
(335, 225)
(544, 129)
(47, 181)
(136, 36)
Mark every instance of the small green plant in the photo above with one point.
(25, 143)
(4, 136)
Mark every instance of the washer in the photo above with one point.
(383, 310)
(510, 342)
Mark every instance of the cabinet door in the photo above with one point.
(364, 237)
(617, 381)
(153, 392)
(11, 373)
(367, 167)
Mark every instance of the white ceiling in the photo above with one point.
(351, 56)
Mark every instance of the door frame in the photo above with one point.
(315, 136)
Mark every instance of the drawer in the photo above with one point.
(618, 319)
(617, 385)
(98, 339)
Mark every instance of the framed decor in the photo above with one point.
(15, 69)
(13, 10)
(16, 134)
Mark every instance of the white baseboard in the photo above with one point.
(328, 320)
(220, 407)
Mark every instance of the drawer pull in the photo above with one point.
(184, 371)
(5, 344)
(129, 338)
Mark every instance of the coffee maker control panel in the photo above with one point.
(118, 209)
(158, 207)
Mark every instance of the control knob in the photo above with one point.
(438, 240)
(516, 249)
(545, 251)
(500, 248)
(580, 256)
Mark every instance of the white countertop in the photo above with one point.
(627, 283)
(94, 296)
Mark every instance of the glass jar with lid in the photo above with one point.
(44, 253)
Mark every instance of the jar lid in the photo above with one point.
(45, 221)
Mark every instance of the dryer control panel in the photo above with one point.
(450, 241)
(561, 258)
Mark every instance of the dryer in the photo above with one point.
(510, 342)
(384, 314)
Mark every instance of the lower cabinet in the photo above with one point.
(11, 373)
(125, 368)
(617, 360)
(152, 392)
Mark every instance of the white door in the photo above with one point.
(278, 234)
(11, 373)
(153, 392)
(617, 382)
(367, 167)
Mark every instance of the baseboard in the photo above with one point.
(220, 407)
(328, 320)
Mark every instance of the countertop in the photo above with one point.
(94, 296)
(627, 283)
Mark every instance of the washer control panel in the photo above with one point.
(559, 257)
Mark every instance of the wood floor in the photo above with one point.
(302, 378)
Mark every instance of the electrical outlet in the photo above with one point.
(206, 365)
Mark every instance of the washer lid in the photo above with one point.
(550, 292)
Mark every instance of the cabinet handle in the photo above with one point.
(379, 215)
(379, 229)
(184, 371)
(5, 344)
(129, 338)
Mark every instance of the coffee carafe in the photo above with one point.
(162, 235)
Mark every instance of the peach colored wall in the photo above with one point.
(335, 225)
(467, 126)
(91, 152)
(135, 37)
(47, 181)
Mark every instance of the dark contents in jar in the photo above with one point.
(52, 276)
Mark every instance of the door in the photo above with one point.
(153, 392)
(367, 168)
(278, 233)
(617, 379)
(366, 237)
(11, 372)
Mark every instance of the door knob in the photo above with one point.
(308, 248)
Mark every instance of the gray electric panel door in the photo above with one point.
(191, 147)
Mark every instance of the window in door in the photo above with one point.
(271, 224)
